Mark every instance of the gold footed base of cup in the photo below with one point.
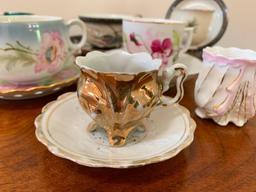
(117, 136)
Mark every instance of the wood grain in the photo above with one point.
(219, 159)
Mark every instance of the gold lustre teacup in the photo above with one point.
(119, 89)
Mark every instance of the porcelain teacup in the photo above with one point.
(118, 90)
(33, 47)
(162, 38)
(200, 19)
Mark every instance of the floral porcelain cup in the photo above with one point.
(119, 89)
(34, 47)
(162, 38)
(225, 90)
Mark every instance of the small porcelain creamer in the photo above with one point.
(226, 87)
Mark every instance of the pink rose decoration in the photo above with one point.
(162, 49)
(51, 54)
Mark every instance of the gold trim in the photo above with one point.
(31, 90)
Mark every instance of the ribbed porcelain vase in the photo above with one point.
(225, 88)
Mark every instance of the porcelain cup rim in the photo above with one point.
(87, 62)
(204, 10)
(149, 20)
(105, 16)
(28, 19)
(230, 54)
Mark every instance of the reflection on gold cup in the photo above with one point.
(118, 90)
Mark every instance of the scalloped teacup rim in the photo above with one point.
(119, 62)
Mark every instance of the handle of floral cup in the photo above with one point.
(168, 73)
(79, 23)
(188, 35)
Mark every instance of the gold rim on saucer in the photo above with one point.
(165, 137)
(57, 82)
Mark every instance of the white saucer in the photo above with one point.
(194, 64)
(62, 129)
(67, 76)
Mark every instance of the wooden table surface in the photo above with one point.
(219, 159)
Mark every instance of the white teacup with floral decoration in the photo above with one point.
(33, 48)
(162, 38)
(200, 19)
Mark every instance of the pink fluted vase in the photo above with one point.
(226, 86)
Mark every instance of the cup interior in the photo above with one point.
(118, 62)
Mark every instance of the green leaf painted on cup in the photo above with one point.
(19, 54)
(176, 38)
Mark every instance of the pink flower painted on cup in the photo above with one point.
(51, 54)
(162, 49)
(158, 49)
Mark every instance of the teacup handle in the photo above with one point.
(188, 33)
(168, 73)
(79, 23)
